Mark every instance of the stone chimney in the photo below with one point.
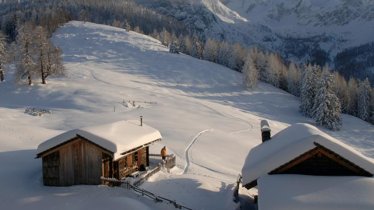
(265, 131)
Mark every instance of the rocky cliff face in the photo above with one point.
(301, 30)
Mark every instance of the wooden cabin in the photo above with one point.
(83, 156)
(303, 152)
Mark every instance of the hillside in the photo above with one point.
(203, 112)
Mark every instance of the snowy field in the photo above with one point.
(203, 112)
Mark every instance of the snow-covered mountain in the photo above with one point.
(205, 115)
(301, 30)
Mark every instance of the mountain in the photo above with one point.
(205, 115)
(300, 30)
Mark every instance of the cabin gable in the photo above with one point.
(76, 162)
(321, 161)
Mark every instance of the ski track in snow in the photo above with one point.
(186, 151)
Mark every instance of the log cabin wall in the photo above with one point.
(321, 162)
(130, 163)
(79, 162)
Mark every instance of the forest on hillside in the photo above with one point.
(355, 96)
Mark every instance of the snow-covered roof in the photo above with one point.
(117, 137)
(292, 142)
(295, 192)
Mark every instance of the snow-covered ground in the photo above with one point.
(203, 112)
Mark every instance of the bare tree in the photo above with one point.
(49, 56)
(26, 64)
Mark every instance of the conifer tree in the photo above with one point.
(327, 111)
(308, 90)
(363, 102)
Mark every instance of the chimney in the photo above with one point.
(141, 120)
(265, 131)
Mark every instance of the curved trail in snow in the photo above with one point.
(250, 125)
(193, 141)
(186, 151)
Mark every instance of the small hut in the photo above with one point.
(83, 156)
(302, 161)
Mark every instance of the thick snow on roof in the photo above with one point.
(295, 192)
(117, 137)
(291, 143)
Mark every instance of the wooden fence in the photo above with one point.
(145, 193)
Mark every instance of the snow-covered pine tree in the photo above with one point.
(3, 56)
(250, 73)
(327, 111)
(363, 102)
(308, 90)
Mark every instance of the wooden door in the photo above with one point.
(77, 162)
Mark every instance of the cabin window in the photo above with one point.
(135, 157)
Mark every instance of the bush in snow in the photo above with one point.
(173, 48)
(37, 111)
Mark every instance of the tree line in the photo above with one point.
(324, 93)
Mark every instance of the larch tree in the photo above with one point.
(3, 56)
(341, 91)
(274, 69)
(327, 112)
(250, 73)
(42, 44)
(363, 102)
(210, 50)
(26, 64)
(352, 96)
(238, 57)
(293, 80)
(49, 56)
(224, 54)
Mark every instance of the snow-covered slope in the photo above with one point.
(203, 112)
